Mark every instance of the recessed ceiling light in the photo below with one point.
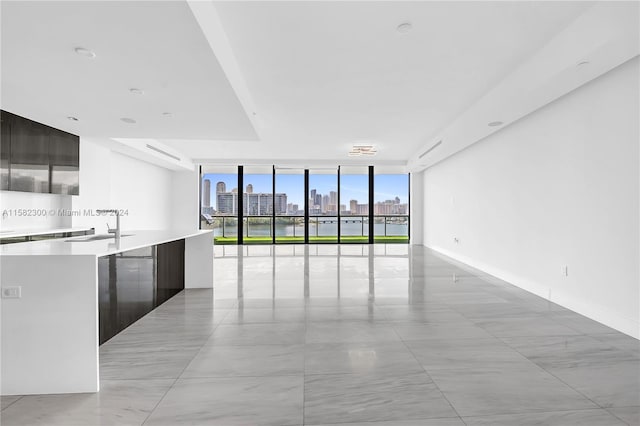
(128, 120)
(404, 28)
(136, 91)
(496, 123)
(582, 63)
(84, 52)
(72, 118)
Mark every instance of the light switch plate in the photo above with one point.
(13, 292)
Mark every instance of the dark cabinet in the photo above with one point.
(38, 158)
(64, 160)
(5, 141)
(170, 272)
(133, 283)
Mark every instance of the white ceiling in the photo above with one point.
(292, 81)
(154, 46)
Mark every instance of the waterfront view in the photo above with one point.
(279, 216)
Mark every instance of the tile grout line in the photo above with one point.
(553, 375)
(544, 411)
(621, 419)
(19, 398)
(428, 375)
(304, 370)
(538, 366)
(181, 373)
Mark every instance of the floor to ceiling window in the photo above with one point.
(259, 204)
(354, 200)
(270, 204)
(289, 213)
(219, 203)
(323, 205)
(391, 207)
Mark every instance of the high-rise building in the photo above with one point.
(353, 206)
(249, 189)
(333, 198)
(325, 203)
(260, 204)
(221, 187)
(206, 193)
(227, 203)
(312, 198)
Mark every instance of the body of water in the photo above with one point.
(322, 229)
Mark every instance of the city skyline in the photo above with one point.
(353, 187)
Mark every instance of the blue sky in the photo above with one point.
(354, 187)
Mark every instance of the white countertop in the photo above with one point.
(75, 247)
(32, 232)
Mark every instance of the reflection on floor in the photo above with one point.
(393, 335)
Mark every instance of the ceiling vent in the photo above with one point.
(153, 148)
(360, 150)
(430, 149)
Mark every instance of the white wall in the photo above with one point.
(112, 180)
(95, 191)
(558, 187)
(185, 201)
(155, 197)
(417, 208)
(144, 190)
(41, 211)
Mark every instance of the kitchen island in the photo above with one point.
(61, 298)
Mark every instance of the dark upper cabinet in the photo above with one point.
(5, 142)
(64, 148)
(29, 142)
(38, 158)
(29, 156)
(64, 159)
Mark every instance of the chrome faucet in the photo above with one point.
(115, 231)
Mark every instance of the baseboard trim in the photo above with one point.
(604, 316)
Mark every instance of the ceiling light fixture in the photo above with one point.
(136, 91)
(128, 120)
(404, 28)
(360, 150)
(84, 52)
(72, 118)
(167, 114)
(496, 123)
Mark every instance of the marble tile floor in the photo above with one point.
(383, 335)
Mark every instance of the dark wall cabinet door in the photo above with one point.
(64, 159)
(5, 141)
(29, 142)
(29, 156)
(38, 158)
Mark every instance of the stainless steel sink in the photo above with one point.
(95, 238)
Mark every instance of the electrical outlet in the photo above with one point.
(565, 270)
(14, 292)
